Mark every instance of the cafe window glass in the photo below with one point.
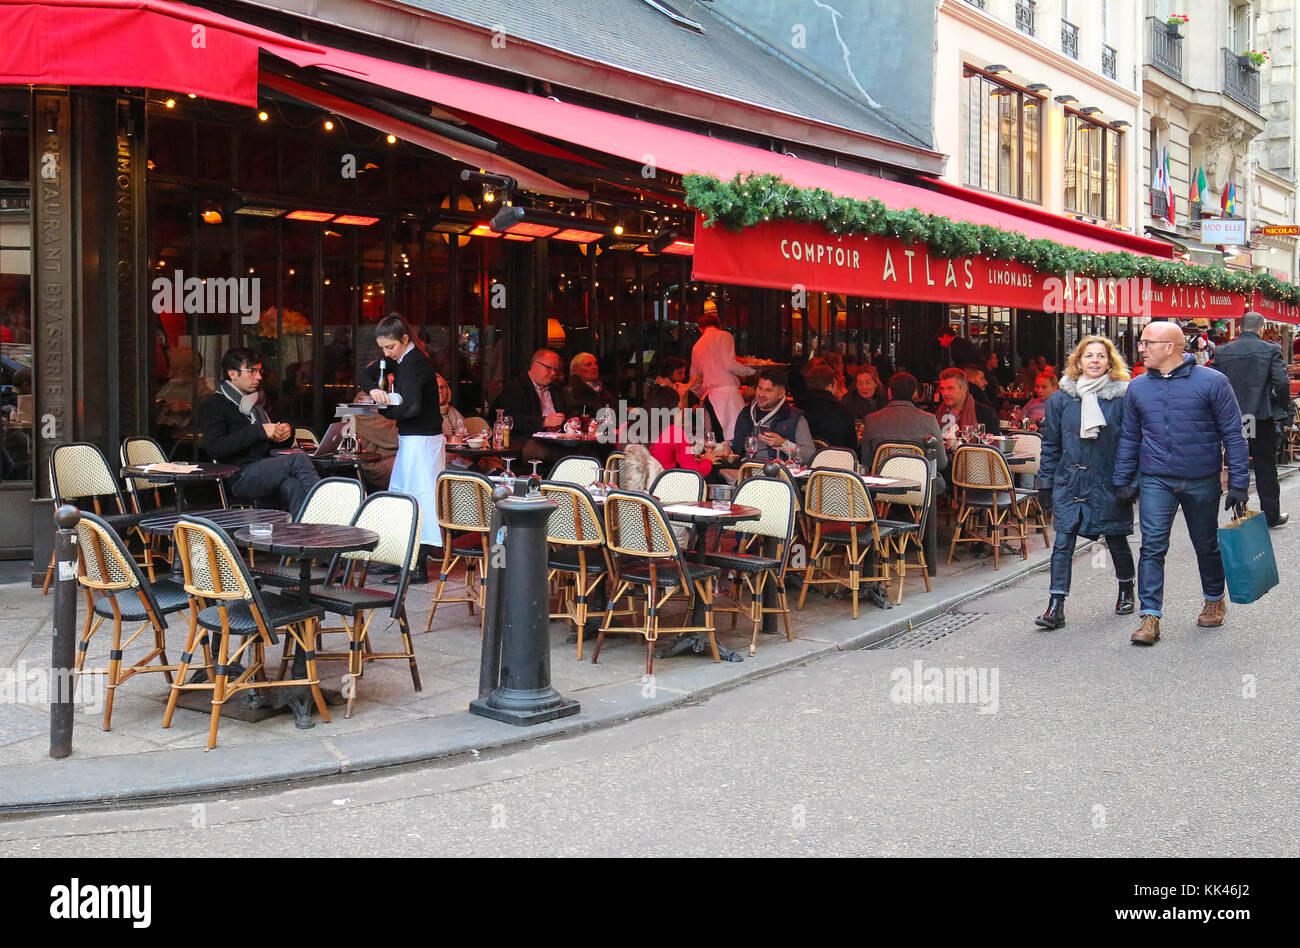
(16, 381)
(1001, 127)
(1093, 166)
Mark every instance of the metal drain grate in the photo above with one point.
(930, 632)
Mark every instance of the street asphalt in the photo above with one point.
(1078, 744)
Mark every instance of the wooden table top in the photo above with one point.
(309, 539)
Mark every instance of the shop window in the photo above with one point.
(215, 146)
(171, 147)
(17, 444)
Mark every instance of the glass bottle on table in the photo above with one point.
(507, 422)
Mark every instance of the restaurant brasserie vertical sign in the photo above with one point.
(54, 270)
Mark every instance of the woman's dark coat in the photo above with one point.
(1079, 471)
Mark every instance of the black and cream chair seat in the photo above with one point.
(577, 551)
(332, 501)
(226, 601)
(844, 526)
(648, 564)
(464, 506)
(754, 570)
(396, 518)
(117, 591)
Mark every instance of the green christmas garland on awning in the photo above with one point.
(750, 199)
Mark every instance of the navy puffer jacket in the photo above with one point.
(1077, 470)
(1179, 425)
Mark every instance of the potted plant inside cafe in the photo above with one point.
(1253, 59)
(1175, 22)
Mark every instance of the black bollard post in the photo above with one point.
(64, 649)
(523, 694)
(489, 671)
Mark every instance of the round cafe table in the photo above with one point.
(305, 542)
(204, 471)
(226, 519)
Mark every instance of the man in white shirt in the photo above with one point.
(713, 360)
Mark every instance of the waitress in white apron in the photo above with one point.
(407, 392)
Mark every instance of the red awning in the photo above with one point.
(460, 151)
(672, 149)
(147, 43)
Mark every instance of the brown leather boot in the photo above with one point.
(1212, 615)
(1149, 633)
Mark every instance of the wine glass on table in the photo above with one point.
(710, 441)
(751, 447)
(535, 464)
(508, 478)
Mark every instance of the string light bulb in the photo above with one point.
(263, 117)
(329, 125)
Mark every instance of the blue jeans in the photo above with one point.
(1063, 560)
(1160, 499)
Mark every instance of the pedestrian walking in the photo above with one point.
(1180, 418)
(1258, 376)
(406, 391)
(1081, 428)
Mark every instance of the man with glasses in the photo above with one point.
(1179, 420)
(236, 430)
(534, 400)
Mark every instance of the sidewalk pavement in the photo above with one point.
(393, 725)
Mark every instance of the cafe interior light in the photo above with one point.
(263, 116)
(316, 217)
(210, 212)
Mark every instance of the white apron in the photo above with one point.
(420, 459)
(727, 405)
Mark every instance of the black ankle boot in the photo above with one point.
(1054, 617)
(1124, 605)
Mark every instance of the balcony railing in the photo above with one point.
(1025, 16)
(1069, 39)
(1240, 81)
(1159, 205)
(1195, 211)
(1109, 61)
(1166, 49)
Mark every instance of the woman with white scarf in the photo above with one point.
(1080, 431)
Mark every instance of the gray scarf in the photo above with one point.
(248, 405)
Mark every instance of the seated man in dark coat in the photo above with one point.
(902, 422)
(236, 430)
(532, 400)
(828, 419)
(585, 393)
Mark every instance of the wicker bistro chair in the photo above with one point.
(678, 485)
(982, 484)
(465, 505)
(215, 574)
(79, 471)
(576, 470)
(647, 561)
(1027, 471)
(116, 590)
(777, 501)
(907, 534)
(839, 459)
(137, 449)
(892, 449)
(396, 518)
(614, 467)
(333, 501)
(577, 541)
(838, 507)
(477, 427)
(755, 469)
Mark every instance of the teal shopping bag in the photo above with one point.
(1248, 557)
